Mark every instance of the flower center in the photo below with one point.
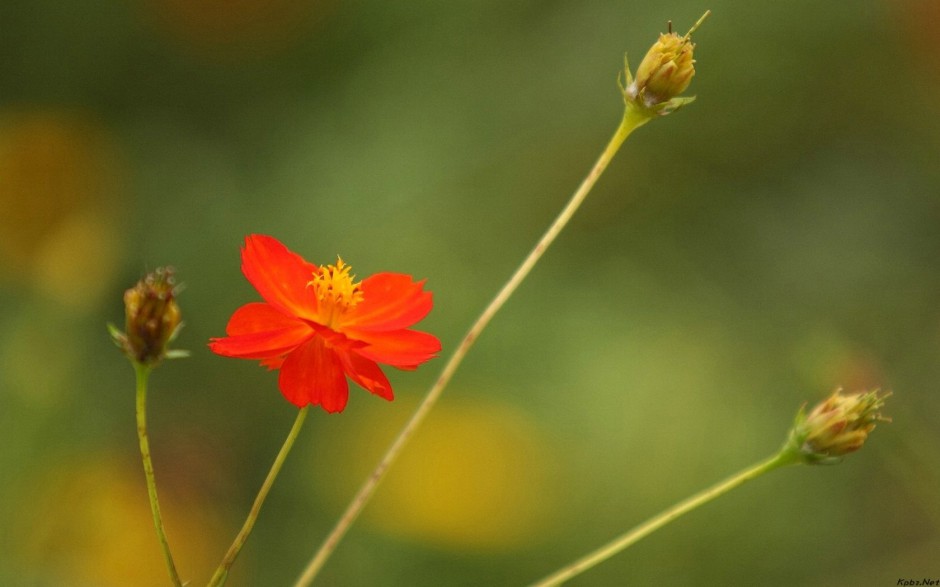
(334, 287)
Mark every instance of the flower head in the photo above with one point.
(152, 318)
(665, 72)
(318, 325)
(836, 427)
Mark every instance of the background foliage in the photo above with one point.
(769, 243)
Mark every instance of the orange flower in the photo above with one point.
(318, 326)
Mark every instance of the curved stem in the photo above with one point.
(143, 373)
(221, 573)
(632, 120)
(784, 457)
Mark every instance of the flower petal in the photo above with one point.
(262, 345)
(405, 349)
(366, 374)
(273, 363)
(391, 301)
(313, 374)
(258, 317)
(280, 275)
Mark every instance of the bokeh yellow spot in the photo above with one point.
(90, 524)
(477, 475)
(76, 264)
(60, 179)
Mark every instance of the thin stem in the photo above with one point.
(632, 120)
(143, 373)
(221, 573)
(785, 457)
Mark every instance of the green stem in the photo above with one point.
(632, 119)
(221, 573)
(143, 373)
(784, 457)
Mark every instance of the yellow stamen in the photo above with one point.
(335, 287)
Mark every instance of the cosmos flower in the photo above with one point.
(318, 326)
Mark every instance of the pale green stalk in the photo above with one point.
(221, 573)
(143, 373)
(786, 456)
(633, 118)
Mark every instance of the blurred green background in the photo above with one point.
(773, 241)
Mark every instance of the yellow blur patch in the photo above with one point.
(76, 264)
(90, 524)
(59, 192)
(476, 475)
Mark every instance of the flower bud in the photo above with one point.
(665, 72)
(667, 69)
(152, 318)
(836, 427)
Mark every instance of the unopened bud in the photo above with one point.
(837, 426)
(152, 318)
(665, 72)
